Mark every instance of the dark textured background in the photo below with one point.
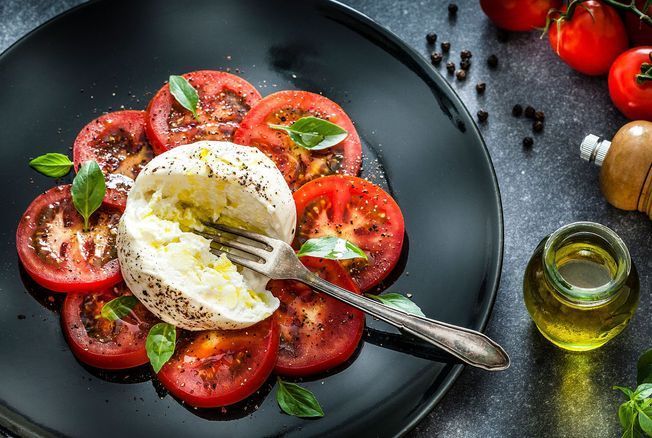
(546, 392)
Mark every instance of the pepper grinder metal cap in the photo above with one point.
(594, 149)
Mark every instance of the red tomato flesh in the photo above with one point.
(221, 367)
(58, 254)
(224, 99)
(356, 210)
(96, 341)
(318, 332)
(116, 141)
(300, 165)
(632, 97)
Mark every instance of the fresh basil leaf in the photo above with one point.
(399, 302)
(644, 368)
(627, 414)
(332, 248)
(297, 401)
(160, 344)
(628, 392)
(88, 190)
(643, 391)
(52, 164)
(184, 93)
(645, 422)
(313, 133)
(119, 307)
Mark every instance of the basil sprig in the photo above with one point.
(88, 190)
(635, 415)
(160, 344)
(119, 307)
(184, 93)
(297, 401)
(332, 248)
(52, 164)
(313, 133)
(398, 301)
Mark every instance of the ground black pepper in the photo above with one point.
(450, 66)
(483, 116)
(452, 9)
(436, 57)
(445, 46)
(529, 112)
(517, 111)
(480, 87)
(492, 61)
(431, 37)
(537, 126)
(465, 64)
(528, 142)
(460, 75)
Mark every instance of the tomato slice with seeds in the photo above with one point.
(358, 211)
(116, 141)
(99, 342)
(300, 165)
(221, 367)
(58, 254)
(224, 99)
(318, 332)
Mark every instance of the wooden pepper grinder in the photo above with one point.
(626, 174)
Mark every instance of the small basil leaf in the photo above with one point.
(119, 307)
(160, 344)
(332, 248)
(184, 93)
(628, 392)
(644, 368)
(88, 190)
(313, 133)
(645, 422)
(297, 401)
(626, 414)
(52, 164)
(399, 302)
(643, 391)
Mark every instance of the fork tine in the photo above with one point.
(243, 233)
(249, 249)
(244, 262)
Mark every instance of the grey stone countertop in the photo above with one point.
(547, 392)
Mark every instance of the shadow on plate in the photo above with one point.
(407, 344)
(45, 297)
(139, 374)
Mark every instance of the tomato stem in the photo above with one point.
(630, 6)
(646, 71)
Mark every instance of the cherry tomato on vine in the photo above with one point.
(590, 39)
(640, 33)
(518, 15)
(630, 83)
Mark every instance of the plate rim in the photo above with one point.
(495, 274)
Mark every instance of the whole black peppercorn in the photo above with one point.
(465, 64)
(517, 111)
(528, 142)
(537, 126)
(431, 37)
(540, 116)
(483, 116)
(446, 46)
(460, 75)
(452, 9)
(466, 54)
(436, 58)
(450, 66)
(492, 61)
(529, 112)
(481, 87)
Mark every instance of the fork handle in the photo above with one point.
(472, 347)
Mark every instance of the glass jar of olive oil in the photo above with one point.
(580, 286)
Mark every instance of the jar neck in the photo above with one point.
(595, 234)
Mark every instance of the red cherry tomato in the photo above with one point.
(358, 211)
(96, 341)
(640, 33)
(518, 15)
(58, 254)
(221, 367)
(318, 332)
(591, 40)
(631, 96)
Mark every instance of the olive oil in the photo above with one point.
(580, 286)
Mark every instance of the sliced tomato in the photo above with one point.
(221, 367)
(116, 141)
(318, 332)
(58, 254)
(358, 211)
(99, 342)
(224, 99)
(300, 165)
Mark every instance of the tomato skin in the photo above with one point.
(640, 33)
(591, 40)
(183, 375)
(518, 15)
(73, 276)
(318, 332)
(125, 350)
(218, 117)
(298, 164)
(632, 98)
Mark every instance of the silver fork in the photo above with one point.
(276, 259)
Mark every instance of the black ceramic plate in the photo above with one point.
(419, 141)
